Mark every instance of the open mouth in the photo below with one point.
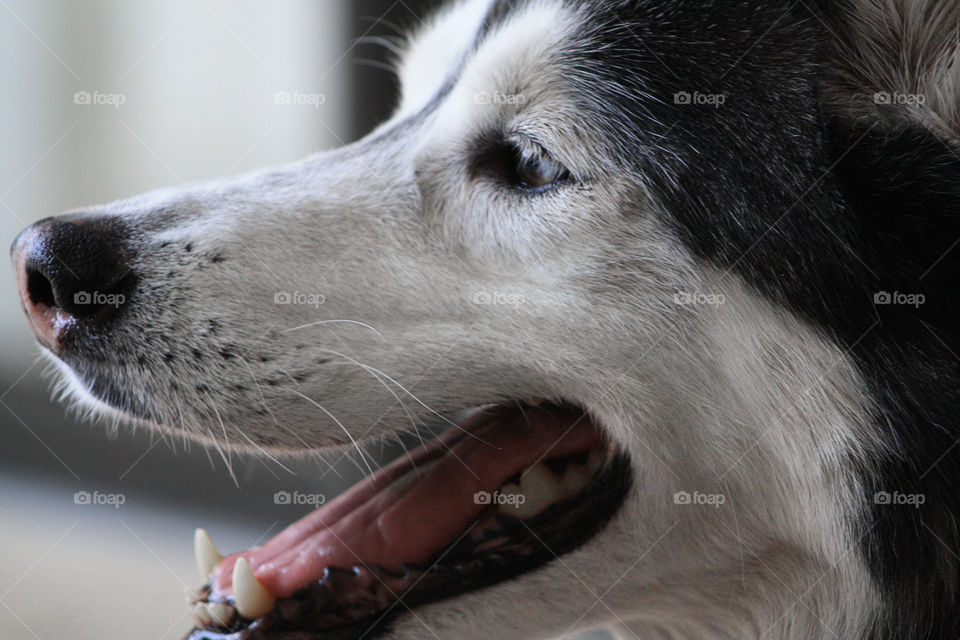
(507, 490)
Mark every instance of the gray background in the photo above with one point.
(198, 80)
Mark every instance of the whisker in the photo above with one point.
(523, 412)
(373, 21)
(339, 424)
(261, 450)
(392, 44)
(375, 64)
(409, 393)
(228, 459)
(322, 322)
(316, 455)
(183, 427)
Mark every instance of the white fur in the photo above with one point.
(740, 399)
(430, 58)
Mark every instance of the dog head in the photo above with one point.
(600, 243)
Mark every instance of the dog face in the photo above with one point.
(263, 281)
(279, 283)
(610, 206)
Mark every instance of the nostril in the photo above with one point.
(39, 289)
(74, 268)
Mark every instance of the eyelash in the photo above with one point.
(506, 161)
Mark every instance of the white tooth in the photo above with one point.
(511, 498)
(251, 598)
(540, 488)
(205, 553)
(200, 616)
(575, 479)
(540, 476)
(220, 613)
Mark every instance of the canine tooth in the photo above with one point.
(576, 477)
(541, 488)
(252, 598)
(205, 553)
(220, 613)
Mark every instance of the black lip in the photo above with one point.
(322, 609)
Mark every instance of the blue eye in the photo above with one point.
(537, 170)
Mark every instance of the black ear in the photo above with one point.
(890, 90)
(890, 95)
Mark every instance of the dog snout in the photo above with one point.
(69, 272)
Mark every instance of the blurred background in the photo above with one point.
(105, 99)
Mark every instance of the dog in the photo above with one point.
(674, 281)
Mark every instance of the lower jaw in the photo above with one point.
(353, 602)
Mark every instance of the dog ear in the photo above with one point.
(890, 90)
(891, 94)
(893, 62)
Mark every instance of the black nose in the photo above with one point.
(70, 269)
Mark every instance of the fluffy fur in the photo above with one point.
(890, 48)
(790, 205)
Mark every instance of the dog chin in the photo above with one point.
(71, 389)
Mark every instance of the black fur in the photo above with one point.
(819, 215)
(903, 187)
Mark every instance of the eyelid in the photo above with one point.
(495, 155)
(527, 145)
(530, 147)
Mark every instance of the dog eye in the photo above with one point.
(538, 170)
(523, 166)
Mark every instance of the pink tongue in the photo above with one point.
(381, 524)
